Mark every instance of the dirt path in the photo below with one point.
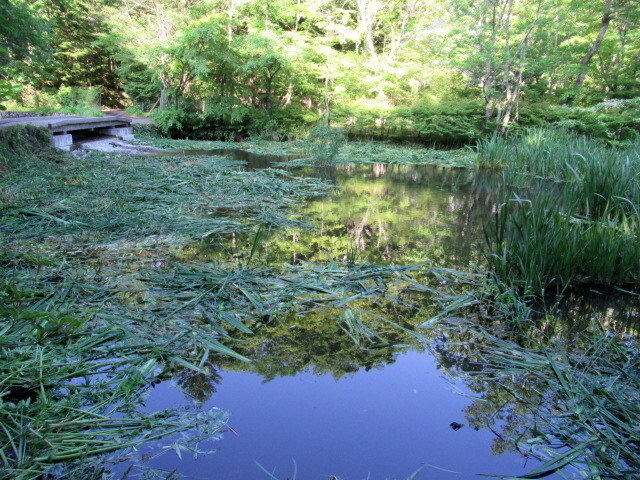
(120, 113)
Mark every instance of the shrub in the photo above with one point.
(23, 143)
(616, 122)
(178, 121)
(323, 144)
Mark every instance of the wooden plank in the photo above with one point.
(63, 124)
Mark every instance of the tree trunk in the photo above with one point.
(604, 26)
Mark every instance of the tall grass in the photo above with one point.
(539, 247)
(584, 229)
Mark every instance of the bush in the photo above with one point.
(23, 143)
(446, 122)
(449, 121)
(616, 122)
(323, 144)
(178, 121)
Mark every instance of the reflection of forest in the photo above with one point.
(404, 215)
(320, 342)
(392, 213)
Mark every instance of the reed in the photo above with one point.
(583, 228)
(538, 247)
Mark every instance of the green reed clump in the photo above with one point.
(323, 144)
(596, 171)
(537, 246)
(583, 228)
(544, 152)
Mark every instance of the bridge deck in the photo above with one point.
(67, 124)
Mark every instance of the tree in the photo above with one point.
(23, 45)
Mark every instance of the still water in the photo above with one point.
(312, 405)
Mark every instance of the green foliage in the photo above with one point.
(82, 101)
(441, 122)
(178, 121)
(23, 144)
(323, 144)
(23, 35)
(583, 228)
(8, 91)
(616, 122)
(451, 121)
(81, 53)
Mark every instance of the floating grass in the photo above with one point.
(72, 385)
(570, 402)
(101, 198)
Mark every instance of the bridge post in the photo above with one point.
(124, 133)
(62, 141)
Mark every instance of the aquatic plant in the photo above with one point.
(570, 403)
(581, 229)
(589, 416)
(73, 376)
(537, 246)
(111, 198)
(323, 144)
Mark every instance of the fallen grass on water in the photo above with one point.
(73, 377)
(97, 200)
(98, 304)
(350, 152)
(95, 308)
(572, 403)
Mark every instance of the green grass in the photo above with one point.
(579, 225)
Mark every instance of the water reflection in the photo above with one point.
(310, 374)
(381, 213)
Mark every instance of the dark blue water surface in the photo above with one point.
(378, 424)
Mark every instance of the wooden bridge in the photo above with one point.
(63, 129)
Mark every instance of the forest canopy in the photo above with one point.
(441, 71)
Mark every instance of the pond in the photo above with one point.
(314, 405)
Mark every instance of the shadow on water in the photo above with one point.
(253, 161)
